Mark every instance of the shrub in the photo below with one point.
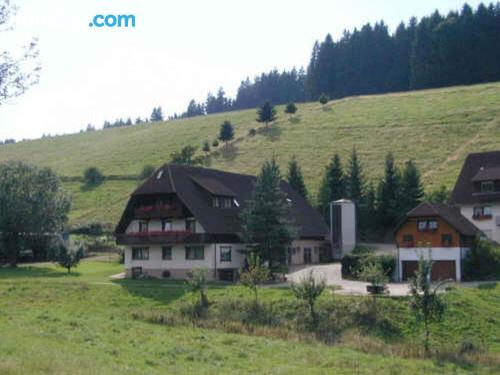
(252, 132)
(373, 272)
(483, 261)
(92, 176)
(215, 143)
(308, 290)
(91, 229)
(254, 276)
(147, 171)
(352, 263)
(69, 257)
(323, 99)
(197, 283)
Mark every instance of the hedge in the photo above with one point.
(352, 263)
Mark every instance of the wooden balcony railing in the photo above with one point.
(160, 237)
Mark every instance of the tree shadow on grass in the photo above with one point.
(163, 291)
(295, 119)
(272, 132)
(34, 272)
(228, 152)
(487, 286)
(89, 187)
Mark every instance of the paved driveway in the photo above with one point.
(331, 273)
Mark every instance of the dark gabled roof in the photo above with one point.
(213, 186)
(186, 182)
(476, 165)
(450, 214)
(487, 174)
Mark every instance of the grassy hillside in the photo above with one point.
(54, 323)
(436, 128)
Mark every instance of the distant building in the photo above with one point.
(183, 218)
(477, 192)
(437, 231)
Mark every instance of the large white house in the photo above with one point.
(183, 218)
(477, 192)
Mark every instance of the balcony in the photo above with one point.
(160, 238)
(480, 217)
(158, 211)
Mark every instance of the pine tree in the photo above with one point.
(226, 132)
(291, 108)
(332, 186)
(295, 178)
(355, 180)
(266, 216)
(206, 147)
(323, 99)
(266, 113)
(411, 192)
(156, 115)
(389, 194)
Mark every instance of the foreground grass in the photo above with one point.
(436, 128)
(52, 323)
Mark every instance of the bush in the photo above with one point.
(252, 132)
(483, 261)
(147, 171)
(352, 263)
(91, 229)
(215, 143)
(92, 176)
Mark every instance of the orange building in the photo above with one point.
(437, 231)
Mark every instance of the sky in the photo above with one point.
(178, 50)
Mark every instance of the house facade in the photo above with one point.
(477, 192)
(434, 231)
(183, 218)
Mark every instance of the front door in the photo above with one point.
(307, 255)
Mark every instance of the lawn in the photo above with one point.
(436, 128)
(82, 323)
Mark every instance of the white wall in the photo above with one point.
(299, 245)
(489, 227)
(179, 260)
(435, 253)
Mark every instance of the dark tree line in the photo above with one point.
(459, 48)
(438, 50)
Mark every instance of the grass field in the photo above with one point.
(436, 128)
(53, 323)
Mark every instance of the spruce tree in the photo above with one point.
(226, 132)
(265, 219)
(295, 178)
(389, 194)
(291, 108)
(355, 180)
(266, 113)
(332, 186)
(411, 192)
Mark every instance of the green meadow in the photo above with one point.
(435, 128)
(83, 323)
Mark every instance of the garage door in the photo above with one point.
(409, 268)
(441, 269)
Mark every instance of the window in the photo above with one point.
(446, 240)
(195, 252)
(191, 225)
(422, 225)
(433, 224)
(166, 225)
(487, 187)
(143, 226)
(222, 202)
(407, 240)
(225, 253)
(140, 253)
(482, 212)
(166, 253)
